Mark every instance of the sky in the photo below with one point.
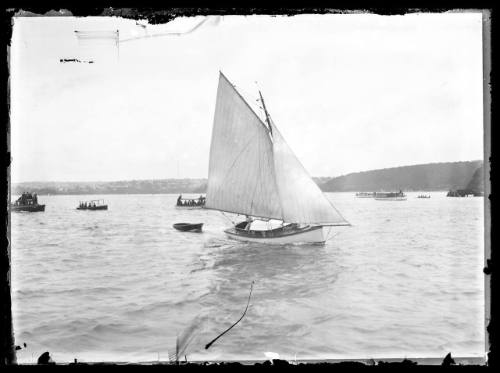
(349, 92)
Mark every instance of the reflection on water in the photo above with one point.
(122, 284)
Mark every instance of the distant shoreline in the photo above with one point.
(421, 178)
(198, 193)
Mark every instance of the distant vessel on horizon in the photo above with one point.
(464, 193)
(96, 204)
(27, 202)
(365, 194)
(253, 172)
(390, 196)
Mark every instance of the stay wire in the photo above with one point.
(328, 235)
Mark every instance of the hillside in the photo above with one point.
(432, 176)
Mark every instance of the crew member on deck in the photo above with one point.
(249, 223)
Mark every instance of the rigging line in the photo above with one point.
(329, 231)
(330, 237)
(232, 222)
(228, 329)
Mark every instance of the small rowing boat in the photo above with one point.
(188, 227)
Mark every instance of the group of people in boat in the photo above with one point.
(191, 202)
(27, 199)
(85, 205)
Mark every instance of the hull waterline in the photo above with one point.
(28, 208)
(189, 207)
(93, 208)
(304, 236)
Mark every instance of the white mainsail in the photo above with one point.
(254, 172)
(241, 170)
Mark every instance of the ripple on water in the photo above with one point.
(122, 284)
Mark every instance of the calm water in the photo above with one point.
(404, 281)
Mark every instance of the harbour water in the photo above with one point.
(405, 280)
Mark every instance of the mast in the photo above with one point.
(267, 114)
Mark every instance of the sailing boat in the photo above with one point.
(253, 172)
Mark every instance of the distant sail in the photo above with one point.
(241, 175)
(254, 172)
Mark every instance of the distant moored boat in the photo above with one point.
(390, 196)
(365, 195)
(96, 204)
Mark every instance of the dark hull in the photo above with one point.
(28, 208)
(190, 203)
(93, 208)
(187, 227)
